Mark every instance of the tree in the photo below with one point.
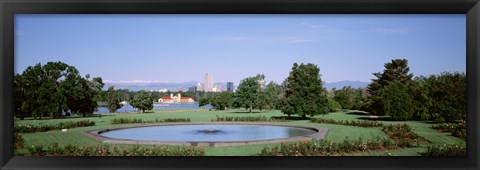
(113, 100)
(271, 98)
(333, 105)
(421, 98)
(397, 70)
(304, 93)
(203, 102)
(448, 93)
(54, 88)
(142, 101)
(248, 91)
(345, 97)
(396, 100)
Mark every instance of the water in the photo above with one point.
(207, 133)
(156, 106)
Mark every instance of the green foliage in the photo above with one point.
(113, 101)
(104, 150)
(304, 92)
(203, 102)
(397, 70)
(330, 148)
(247, 119)
(345, 97)
(362, 123)
(446, 150)
(222, 100)
(396, 100)
(172, 120)
(241, 119)
(18, 140)
(422, 102)
(402, 133)
(456, 129)
(448, 93)
(142, 101)
(53, 88)
(124, 120)
(58, 126)
(333, 106)
(248, 92)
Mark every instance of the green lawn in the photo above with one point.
(336, 132)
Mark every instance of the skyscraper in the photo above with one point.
(208, 83)
(229, 86)
(199, 87)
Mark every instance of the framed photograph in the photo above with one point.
(239, 85)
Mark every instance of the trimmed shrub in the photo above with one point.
(362, 123)
(138, 120)
(123, 120)
(248, 119)
(104, 150)
(173, 120)
(446, 150)
(58, 126)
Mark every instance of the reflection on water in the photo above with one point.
(190, 133)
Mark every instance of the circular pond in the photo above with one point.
(209, 134)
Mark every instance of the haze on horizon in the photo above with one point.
(182, 48)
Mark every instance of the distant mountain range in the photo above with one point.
(155, 86)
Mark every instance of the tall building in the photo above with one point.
(229, 86)
(192, 88)
(208, 83)
(218, 87)
(199, 87)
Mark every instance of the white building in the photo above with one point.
(176, 99)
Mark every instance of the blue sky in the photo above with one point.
(180, 48)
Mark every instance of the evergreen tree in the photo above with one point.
(396, 70)
(113, 100)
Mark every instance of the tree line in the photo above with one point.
(57, 88)
(395, 92)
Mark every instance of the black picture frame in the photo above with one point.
(9, 8)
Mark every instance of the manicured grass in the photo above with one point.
(336, 132)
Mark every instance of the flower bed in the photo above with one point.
(104, 150)
(329, 148)
(446, 150)
(402, 133)
(18, 140)
(456, 129)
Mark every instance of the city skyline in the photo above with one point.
(179, 48)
